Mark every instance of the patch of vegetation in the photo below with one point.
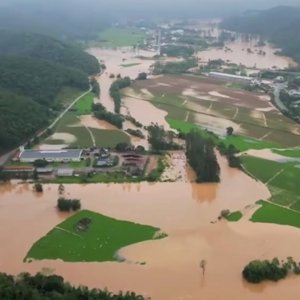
(101, 113)
(53, 287)
(234, 216)
(294, 153)
(155, 174)
(257, 271)
(84, 105)
(115, 93)
(121, 37)
(129, 65)
(101, 242)
(201, 157)
(68, 204)
(160, 139)
(178, 51)
(272, 213)
(174, 67)
(109, 138)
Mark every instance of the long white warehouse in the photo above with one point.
(66, 155)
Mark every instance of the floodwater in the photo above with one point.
(116, 61)
(238, 54)
(184, 211)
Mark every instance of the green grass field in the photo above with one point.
(271, 213)
(101, 242)
(121, 37)
(294, 153)
(281, 179)
(234, 216)
(84, 105)
(109, 138)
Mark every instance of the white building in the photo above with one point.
(230, 77)
(65, 155)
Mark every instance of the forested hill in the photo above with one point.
(38, 79)
(280, 25)
(34, 70)
(47, 48)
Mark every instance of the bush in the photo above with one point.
(40, 163)
(38, 187)
(68, 204)
(142, 76)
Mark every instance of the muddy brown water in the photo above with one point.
(184, 211)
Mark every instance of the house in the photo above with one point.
(65, 155)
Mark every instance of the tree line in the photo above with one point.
(115, 91)
(202, 158)
(101, 113)
(53, 287)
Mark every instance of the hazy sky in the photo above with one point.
(151, 7)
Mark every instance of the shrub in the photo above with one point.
(38, 187)
(68, 204)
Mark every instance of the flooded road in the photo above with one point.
(184, 210)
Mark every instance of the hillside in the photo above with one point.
(34, 71)
(280, 25)
(20, 117)
(47, 48)
(40, 80)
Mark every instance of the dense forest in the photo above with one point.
(40, 80)
(47, 48)
(53, 287)
(34, 69)
(280, 25)
(202, 158)
(20, 117)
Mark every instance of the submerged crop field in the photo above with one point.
(89, 236)
(210, 104)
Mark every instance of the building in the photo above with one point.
(66, 155)
(230, 77)
(62, 172)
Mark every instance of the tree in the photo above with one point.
(229, 130)
(40, 163)
(201, 156)
(38, 187)
(142, 76)
(203, 266)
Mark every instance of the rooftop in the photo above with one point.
(51, 154)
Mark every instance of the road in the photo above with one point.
(277, 89)
(7, 156)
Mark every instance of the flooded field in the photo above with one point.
(213, 105)
(184, 211)
(123, 62)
